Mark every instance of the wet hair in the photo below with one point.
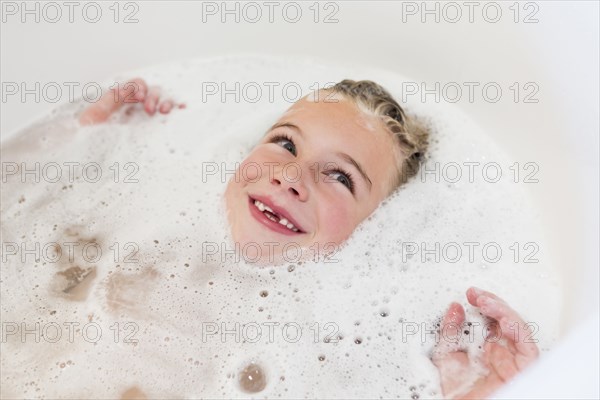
(410, 134)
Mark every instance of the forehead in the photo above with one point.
(338, 125)
(337, 119)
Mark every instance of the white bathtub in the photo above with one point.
(559, 54)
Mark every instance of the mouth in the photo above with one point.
(274, 218)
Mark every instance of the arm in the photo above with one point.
(30, 140)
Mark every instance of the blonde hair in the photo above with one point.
(410, 134)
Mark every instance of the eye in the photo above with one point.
(284, 141)
(345, 178)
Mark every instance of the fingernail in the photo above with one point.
(477, 291)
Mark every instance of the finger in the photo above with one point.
(503, 361)
(512, 327)
(112, 100)
(133, 91)
(165, 107)
(453, 320)
(486, 354)
(473, 293)
(151, 102)
(450, 330)
(100, 110)
(527, 350)
(497, 309)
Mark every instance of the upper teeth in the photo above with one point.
(262, 207)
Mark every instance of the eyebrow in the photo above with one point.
(285, 124)
(356, 165)
(343, 156)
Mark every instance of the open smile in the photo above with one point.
(273, 217)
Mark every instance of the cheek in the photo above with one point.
(337, 220)
(249, 171)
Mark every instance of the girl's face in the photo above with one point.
(316, 174)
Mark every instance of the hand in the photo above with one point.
(132, 91)
(503, 362)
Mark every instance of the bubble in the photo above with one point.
(264, 293)
(358, 340)
(321, 358)
(252, 378)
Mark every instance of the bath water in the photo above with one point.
(111, 287)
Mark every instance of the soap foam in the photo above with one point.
(336, 328)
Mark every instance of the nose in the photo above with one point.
(292, 182)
